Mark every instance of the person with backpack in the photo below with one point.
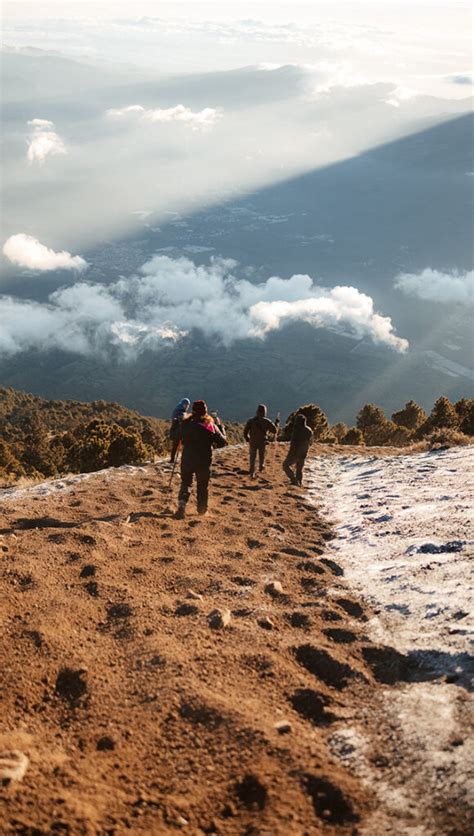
(255, 432)
(177, 416)
(301, 438)
(199, 434)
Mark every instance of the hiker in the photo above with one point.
(299, 445)
(255, 432)
(177, 416)
(199, 433)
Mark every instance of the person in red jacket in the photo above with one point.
(199, 435)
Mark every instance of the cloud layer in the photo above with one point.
(171, 297)
(44, 141)
(435, 286)
(200, 120)
(28, 252)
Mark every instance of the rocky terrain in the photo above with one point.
(215, 675)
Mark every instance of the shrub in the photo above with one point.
(339, 430)
(353, 436)
(98, 445)
(445, 437)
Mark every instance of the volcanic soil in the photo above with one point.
(163, 676)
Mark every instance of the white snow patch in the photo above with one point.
(405, 542)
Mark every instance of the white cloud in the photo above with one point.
(435, 286)
(171, 297)
(200, 120)
(44, 141)
(28, 252)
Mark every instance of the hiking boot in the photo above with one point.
(181, 512)
(202, 511)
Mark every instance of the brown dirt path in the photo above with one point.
(139, 716)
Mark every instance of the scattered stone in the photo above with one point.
(13, 766)
(274, 588)
(218, 619)
(92, 589)
(193, 596)
(283, 727)
(266, 623)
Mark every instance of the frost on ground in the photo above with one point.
(54, 487)
(405, 543)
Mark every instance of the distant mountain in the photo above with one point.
(400, 207)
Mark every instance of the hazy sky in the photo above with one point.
(169, 107)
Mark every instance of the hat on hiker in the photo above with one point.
(300, 419)
(261, 410)
(199, 408)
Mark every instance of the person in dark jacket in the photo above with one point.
(177, 416)
(199, 435)
(255, 432)
(299, 446)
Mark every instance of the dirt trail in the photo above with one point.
(141, 710)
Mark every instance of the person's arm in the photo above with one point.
(219, 439)
(270, 426)
(247, 430)
(220, 426)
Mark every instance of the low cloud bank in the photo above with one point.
(199, 120)
(44, 141)
(435, 286)
(171, 297)
(28, 252)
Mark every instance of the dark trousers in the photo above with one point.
(174, 449)
(202, 473)
(296, 477)
(253, 450)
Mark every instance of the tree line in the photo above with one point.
(46, 438)
(447, 423)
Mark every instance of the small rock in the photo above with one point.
(218, 619)
(283, 727)
(266, 623)
(274, 588)
(13, 766)
(193, 596)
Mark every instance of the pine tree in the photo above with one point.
(411, 416)
(376, 428)
(315, 418)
